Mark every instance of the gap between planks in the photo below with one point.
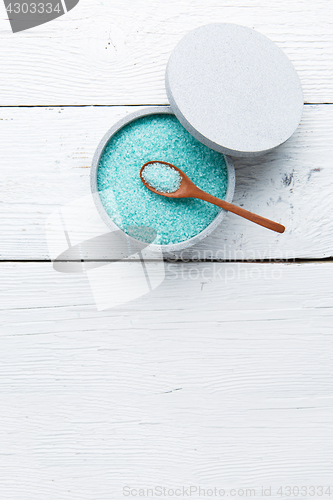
(189, 261)
(119, 105)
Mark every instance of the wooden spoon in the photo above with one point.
(188, 189)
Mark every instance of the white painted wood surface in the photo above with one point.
(115, 52)
(222, 376)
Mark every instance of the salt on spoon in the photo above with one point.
(161, 176)
(166, 179)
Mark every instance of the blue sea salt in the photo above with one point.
(129, 203)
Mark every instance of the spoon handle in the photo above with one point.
(257, 219)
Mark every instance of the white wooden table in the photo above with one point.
(222, 376)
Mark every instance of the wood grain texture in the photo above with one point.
(45, 163)
(220, 377)
(116, 53)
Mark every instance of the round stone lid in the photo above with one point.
(234, 89)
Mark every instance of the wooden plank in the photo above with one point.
(219, 378)
(45, 160)
(111, 53)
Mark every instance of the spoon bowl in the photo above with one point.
(188, 189)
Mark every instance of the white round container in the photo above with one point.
(175, 247)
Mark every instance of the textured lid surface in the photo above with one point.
(234, 89)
